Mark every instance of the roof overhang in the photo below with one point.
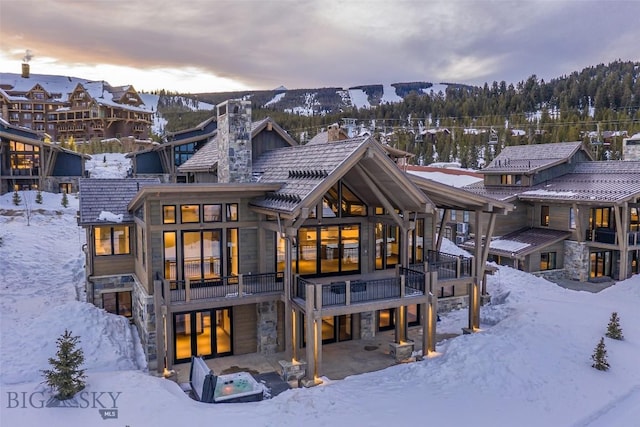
(449, 197)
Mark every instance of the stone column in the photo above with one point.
(267, 327)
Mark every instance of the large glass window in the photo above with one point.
(340, 201)
(232, 212)
(600, 264)
(201, 251)
(112, 240)
(634, 219)
(600, 218)
(328, 249)
(25, 159)
(206, 333)
(387, 246)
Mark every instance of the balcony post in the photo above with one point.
(240, 287)
(187, 290)
(347, 292)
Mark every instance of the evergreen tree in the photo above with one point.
(613, 329)
(39, 197)
(599, 357)
(16, 198)
(65, 200)
(66, 377)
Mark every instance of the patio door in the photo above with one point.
(205, 333)
(334, 329)
(600, 264)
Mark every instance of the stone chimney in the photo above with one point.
(234, 141)
(25, 70)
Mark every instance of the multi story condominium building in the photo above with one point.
(66, 108)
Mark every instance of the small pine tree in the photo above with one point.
(65, 200)
(613, 329)
(599, 357)
(39, 197)
(104, 159)
(16, 198)
(66, 377)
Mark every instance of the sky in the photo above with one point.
(201, 46)
(530, 364)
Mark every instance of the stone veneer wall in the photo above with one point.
(267, 327)
(576, 260)
(104, 284)
(51, 184)
(144, 316)
(367, 325)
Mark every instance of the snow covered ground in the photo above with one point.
(529, 366)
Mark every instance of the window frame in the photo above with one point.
(112, 240)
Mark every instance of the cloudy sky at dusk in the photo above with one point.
(227, 45)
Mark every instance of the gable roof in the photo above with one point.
(529, 159)
(108, 195)
(307, 172)
(206, 158)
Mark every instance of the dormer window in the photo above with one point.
(511, 179)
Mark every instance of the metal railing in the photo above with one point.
(449, 266)
(225, 287)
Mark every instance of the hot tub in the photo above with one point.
(238, 387)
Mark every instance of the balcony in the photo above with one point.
(376, 289)
(223, 288)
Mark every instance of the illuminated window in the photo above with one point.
(547, 261)
(112, 240)
(544, 215)
(168, 214)
(189, 213)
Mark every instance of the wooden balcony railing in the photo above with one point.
(184, 291)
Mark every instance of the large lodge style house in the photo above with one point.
(68, 108)
(231, 238)
(270, 246)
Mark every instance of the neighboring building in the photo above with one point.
(66, 108)
(631, 148)
(575, 217)
(28, 163)
(287, 249)
(191, 155)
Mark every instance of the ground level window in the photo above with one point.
(547, 261)
(117, 303)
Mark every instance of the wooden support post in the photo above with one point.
(310, 331)
(433, 314)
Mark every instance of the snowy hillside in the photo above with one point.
(530, 365)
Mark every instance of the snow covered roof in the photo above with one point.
(522, 242)
(532, 158)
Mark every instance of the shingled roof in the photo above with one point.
(206, 158)
(108, 195)
(602, 181)
(528, 159)
(522, 242)
(306, 171)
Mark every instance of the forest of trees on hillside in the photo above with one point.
(599, 105)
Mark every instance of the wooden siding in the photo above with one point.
(113, 265)
(245, 333)
(249, 251)
(532, 263)
(266, 141)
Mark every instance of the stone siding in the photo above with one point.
(576, 261)
(144, 316)
(367, 325)
(267, 327)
